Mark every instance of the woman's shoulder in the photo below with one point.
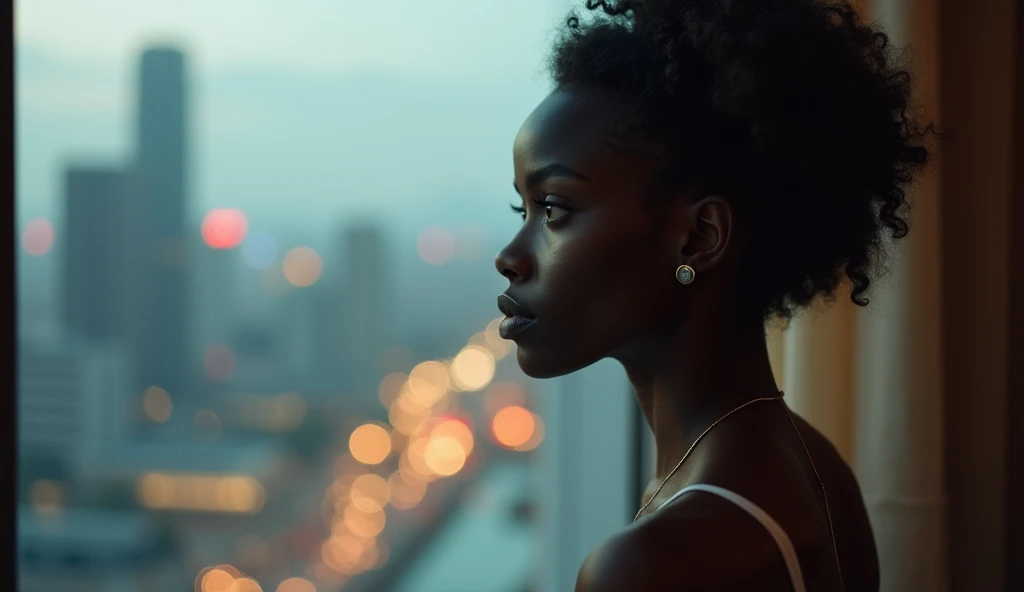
(700, 543)
(854, 537)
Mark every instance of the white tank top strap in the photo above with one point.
(773, 527)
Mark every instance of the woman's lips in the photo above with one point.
(517, 317)
(514, 325)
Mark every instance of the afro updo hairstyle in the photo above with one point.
(796, 110)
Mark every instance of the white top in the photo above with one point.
(773, 528)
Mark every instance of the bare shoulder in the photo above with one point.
(700, 543)
(854, 538)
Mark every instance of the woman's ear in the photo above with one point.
(710, 228)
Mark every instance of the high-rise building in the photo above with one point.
(74, 402)
(161, 163)
(101, 296)
(366, 302)
(316, 331)
(162, 141)
(214, 305)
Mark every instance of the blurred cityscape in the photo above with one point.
(216, 407)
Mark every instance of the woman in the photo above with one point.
(702, 168)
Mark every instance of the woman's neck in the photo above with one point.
(695, 377)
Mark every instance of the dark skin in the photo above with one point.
(594, 262)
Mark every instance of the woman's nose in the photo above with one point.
(513, 263)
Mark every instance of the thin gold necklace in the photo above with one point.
(828, 513)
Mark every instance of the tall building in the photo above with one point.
(214, 305)
(162, 141)
(316, 331)
(100, 291)
(161, 163)
(366, 303)
(74, 402)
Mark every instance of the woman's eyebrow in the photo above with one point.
(543, 174)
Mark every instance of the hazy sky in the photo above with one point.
(302, 111)
(440, 37)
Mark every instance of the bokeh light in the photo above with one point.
(406, 490)
(535, 438)
(224, 228)
(37, 237)
(457, 430)
(232, 494)
(493, 341)
(370, 444)
(246, 585)
(46, 497)
(428, 383)
(368, 559)
(420, 395)
(415, 460)
(296, 585)
(341, 485)
(444, 456)
(369, 493)
(406, 417)
(157, 404)
(219, 363)
(473, 368)
(259, 251)
(513, 426)
(344, 553)
(435, 245)
(390, 386)
(328, 576)
(302, 267)
(217, 580)
(363, 524)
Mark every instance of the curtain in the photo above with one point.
(913, 390)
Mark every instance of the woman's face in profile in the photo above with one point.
(592, 268)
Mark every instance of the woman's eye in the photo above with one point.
(553, 211)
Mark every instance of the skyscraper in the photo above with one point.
(161, 165)
(162, 141)
(100, 273)
(366, 301)
(214, 299)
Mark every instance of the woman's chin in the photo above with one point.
(535, 366)
(546, 365)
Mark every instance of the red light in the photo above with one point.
(224, 228)
(37, 237)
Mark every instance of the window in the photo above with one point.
(256, 300)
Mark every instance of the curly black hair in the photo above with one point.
(797, 110)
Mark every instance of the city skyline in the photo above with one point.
(363, 303)
(243, 111)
